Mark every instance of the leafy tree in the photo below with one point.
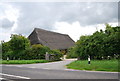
(112, 42)
(99, 45)
(18, 44)
(6, 51)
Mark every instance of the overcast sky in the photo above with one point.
(72, 18)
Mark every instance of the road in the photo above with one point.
(37, 72)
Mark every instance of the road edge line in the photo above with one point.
(14, 76)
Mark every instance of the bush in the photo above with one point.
(36, 52)
(71, 53)
(57, 54)
(28, 54)
(39, 51)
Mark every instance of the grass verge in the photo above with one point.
(96, 65)
(22, 61)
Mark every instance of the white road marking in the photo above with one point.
(18, 66)
(90, 71)
(101, 72)
(71, 70)
(7, 65)
(14, 76)
(1, 78)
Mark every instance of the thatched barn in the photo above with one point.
(51, 39)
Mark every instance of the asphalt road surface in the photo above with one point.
(26, 72)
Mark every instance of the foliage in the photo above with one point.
(19, 42)
(96, 65)
(6, 51)
(100, 45)
(18, 48)
(57, 54)
(38, 51)
(14, 49)
(71, 53)
(35, 52)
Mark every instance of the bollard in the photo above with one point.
(47, 56)
(7, 58)
(88, 59)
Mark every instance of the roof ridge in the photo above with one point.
(50, 31)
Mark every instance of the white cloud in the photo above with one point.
(11, 14)
(73, 18)
(4, 34)
(75, 30)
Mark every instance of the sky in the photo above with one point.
(72, 18)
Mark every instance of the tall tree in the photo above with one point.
(99, 45)
(18, 44)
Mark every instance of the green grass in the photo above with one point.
(96, 65)
(22, 61)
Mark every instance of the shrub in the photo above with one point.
(57, 54)
(28, 54)
(71, 53)
(39, 51)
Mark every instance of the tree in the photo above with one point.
(81, 48)
(6, 51)
(112, 42)
(99, 45)
(18, 44)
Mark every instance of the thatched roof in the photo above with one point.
(51, 39)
